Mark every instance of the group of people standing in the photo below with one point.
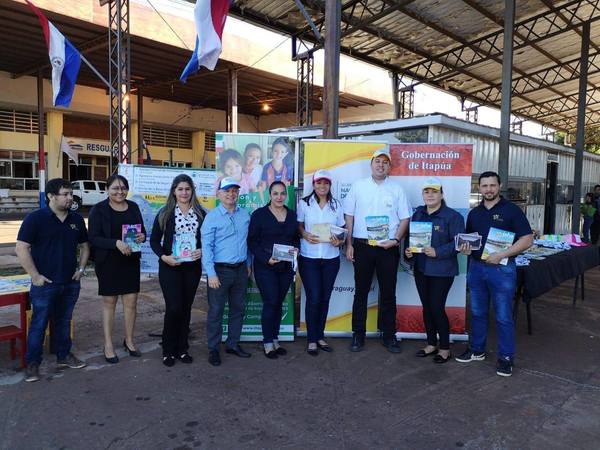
(232, 245)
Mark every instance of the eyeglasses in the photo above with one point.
(64, 194)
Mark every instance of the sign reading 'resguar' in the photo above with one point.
(89, 146)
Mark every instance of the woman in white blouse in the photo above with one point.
(319, 255)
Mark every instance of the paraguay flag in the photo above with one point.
(209, 16)
(64, 58)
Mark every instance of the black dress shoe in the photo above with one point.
(271, 354)
(238, 351)
(214, 359)
(422, 353)
(312, 351)
(185, 358)
(112, 359)
(439, 359)
(281, 351)
(392, 345)
(325, 347)
(358, 343)
(134, 353)
(169, 361)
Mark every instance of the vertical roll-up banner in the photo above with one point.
(256, 160)
(349, 161)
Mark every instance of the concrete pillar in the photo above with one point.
(198, 142)
(134, 144)
(54, 128)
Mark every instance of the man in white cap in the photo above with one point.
(377, 212)
(225, 258)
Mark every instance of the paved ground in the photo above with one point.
(371, 399)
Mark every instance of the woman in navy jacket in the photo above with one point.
(272, 224)
(436, 267)
(181, 216)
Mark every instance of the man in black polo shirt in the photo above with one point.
(47, 249)
(490, 278)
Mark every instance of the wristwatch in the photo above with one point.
(397, 240)
(82, 271)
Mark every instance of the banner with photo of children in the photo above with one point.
(256, 160)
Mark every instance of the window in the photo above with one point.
(23, 169)
(5, 169)
(19, 170)
(19, 121)
(102, 185)
(89, 186)
(164, 137)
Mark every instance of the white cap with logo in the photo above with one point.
(381, 152)
(322, 174)
(227, 183)
(432, 183)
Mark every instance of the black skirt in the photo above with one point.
(118, 275)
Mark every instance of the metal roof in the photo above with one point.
(457, 45)
(155, 67)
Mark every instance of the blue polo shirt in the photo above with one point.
(53, 243)
(504, 215)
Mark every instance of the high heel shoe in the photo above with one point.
(112, 359)
(134, 353)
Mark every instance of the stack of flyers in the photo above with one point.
(339, 232)
(378, 229)
(473, 239)
(419, 236)
(497, 241)
(128, 233)
(285, 253)
(183, 246)
(322, 231)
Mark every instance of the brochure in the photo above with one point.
(473, 239)
(183, 246)
(322, 230)
(339, 232)
(419, 236)
(128, 233)
(284, 252)
(378, 229)
(497, 241)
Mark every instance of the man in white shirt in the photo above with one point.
(377, 213)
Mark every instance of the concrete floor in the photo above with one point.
(371, 399)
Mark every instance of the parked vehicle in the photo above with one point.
(87, 193)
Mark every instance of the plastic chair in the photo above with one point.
(11, 332)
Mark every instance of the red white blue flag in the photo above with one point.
(64, 58)
(209, 16)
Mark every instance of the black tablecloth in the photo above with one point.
(543, 275)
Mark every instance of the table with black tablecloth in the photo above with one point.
(544, 275)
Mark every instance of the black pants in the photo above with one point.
(179, 285)
(595, 230)
(369, 260)
(273, 285)
(434, 292)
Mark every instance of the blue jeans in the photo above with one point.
(587, 223)
(497, 282)
(273, 286)
(54, 300)
(318, 277)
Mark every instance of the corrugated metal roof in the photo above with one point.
(457, 45)
(155, 67)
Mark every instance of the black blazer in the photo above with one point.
(99, 230)
(166, 236)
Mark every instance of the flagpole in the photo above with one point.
(41, 151)
(93, 69)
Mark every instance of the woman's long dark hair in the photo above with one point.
(333, 203)
(272, 185)
(166, 212)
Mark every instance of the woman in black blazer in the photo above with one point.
(272, 224)
(117, 267)
(178, 221)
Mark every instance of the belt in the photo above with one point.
(361, 241)
(230, 266)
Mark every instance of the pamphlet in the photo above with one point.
(286, 253)
(378, 229)
(497, 241)
(339, 232)
(183, 246)
(473, 239)
(128, 233)
(322, 230)
(419, 236)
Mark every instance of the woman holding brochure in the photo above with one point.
(319, 261)
(435, 264)
(272, 226)
(116, 232)
(176, 241)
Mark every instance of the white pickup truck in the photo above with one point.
(87, 193)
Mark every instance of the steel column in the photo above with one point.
(304, 89)
(507, 60)
(140, 129)
(41, 130)
(232, 101)
(120, 80)
(580, 139)
(395, 93)
(333, 12)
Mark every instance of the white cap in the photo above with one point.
(432, 183)
(322, 174)
(227, 183)
(382, 152)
